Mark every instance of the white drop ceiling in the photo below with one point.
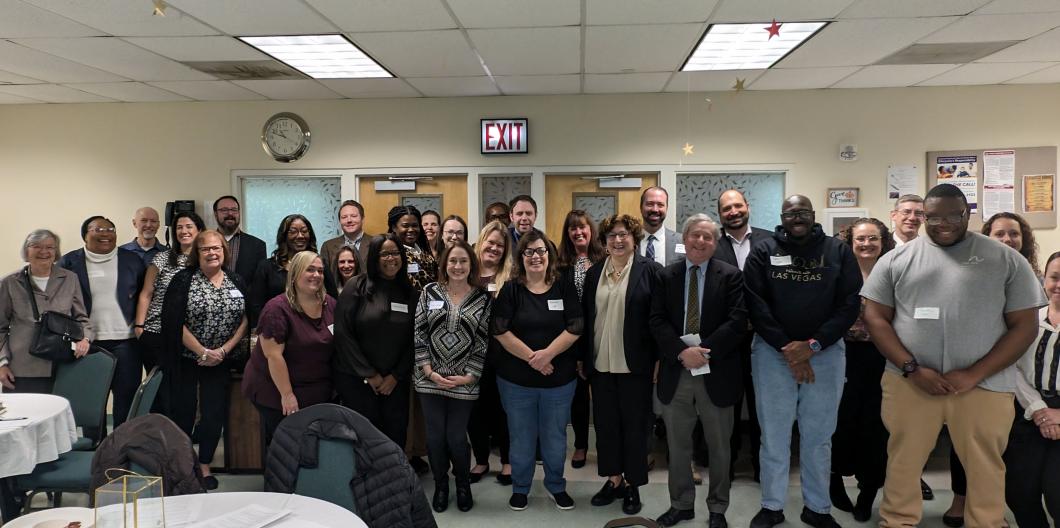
(76, 51)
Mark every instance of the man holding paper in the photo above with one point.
(699, 320)
(802, 291)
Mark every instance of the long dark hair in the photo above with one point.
(171, 233)
(335, 265)
(282, 254)
(886, 240)
(567, 254)
(1029, 249)
(395, 215)
(372, 271)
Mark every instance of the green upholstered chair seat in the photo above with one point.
(330, 480)
(84, 444)
(71, 472)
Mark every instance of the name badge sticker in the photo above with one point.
(399, 307)
(679, 249)
(926, 312)
(491, 287)
(555, 305)
(435, 305)
(331, 328)
(413, 268)
(235, 294)
(783, 260)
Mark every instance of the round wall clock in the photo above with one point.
(285, 137)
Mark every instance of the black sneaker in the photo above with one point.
(818, 520)
(517, 502)
(563, 501)
(766, 518)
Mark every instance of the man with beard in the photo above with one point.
(734, 246)
(907, 217)
(802, 292)
(244, 250)
(146, 243)
(660, 243)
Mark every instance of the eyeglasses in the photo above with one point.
(101, 229)
(210, 249)
(805, 215)
(869, 238)
(939, 220)
(621, 234)
(451, 233)
(389, 254)
(293, 232)
(530, 252)
(910, 212)
(226, 210)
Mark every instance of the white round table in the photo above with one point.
(185, 510)
(47, 430)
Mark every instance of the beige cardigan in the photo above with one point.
(17, 327)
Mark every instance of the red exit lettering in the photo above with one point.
(503, 136)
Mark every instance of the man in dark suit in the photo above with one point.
(737, 239)
(351, 219)
(699, 320)
(244, 250)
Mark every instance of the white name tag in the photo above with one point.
(399, 307)
(235, 294)
(435, 305)
(780, 261)
(414, 268)
(491, 287)
(926, 312)
(95, 274)
(679, 249)
(555, 305)
(331, 328)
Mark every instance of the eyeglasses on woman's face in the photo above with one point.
(539, 251)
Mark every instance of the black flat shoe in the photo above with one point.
(837, 491)
(577, 464)
(475, 477)
(925, 491)
(674, 516)
(504, 480)
(631, 502)
(464, 502)
(953, 521)
(210, 482)
(608, 493)
(863, 508)
(441, 499)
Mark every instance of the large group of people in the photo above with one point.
(454, 342)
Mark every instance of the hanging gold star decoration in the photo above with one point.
(688, 149)
(160, 8)
(739, 87)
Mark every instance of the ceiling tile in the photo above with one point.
(14, 99)
(385, 15)
(10, 78)
(39, 65)
(529, 51)
(199, 48)
(209, 90)
(711, 81)
(782, 10)
(437, 53)
(977, 73)
(1046, 76)
(269, 17)
(860, 42)
(539, 84)
(631, 49)
(994, 28)
(1043, 48)
(132, 92)
(800, 79)
(1019, 6)
(117, 56)
(615, 12)
(23, 20)
(893, 75)
(364, 88)
(290, 90)
(126, 18)
(910, 8)
(516, 13)
(454, 86)
(625, 82)
(53, 93)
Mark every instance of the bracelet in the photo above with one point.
(203, 356)
(223, 353)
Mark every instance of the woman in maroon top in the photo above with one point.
(290, 366)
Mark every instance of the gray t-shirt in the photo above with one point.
(950, 302)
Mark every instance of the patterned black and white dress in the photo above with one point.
(166, 271)
(452, 339)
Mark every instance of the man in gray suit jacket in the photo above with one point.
(660, 244)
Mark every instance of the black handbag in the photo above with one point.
(56, 332)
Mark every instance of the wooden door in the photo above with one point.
(451, 189)
(561, 191)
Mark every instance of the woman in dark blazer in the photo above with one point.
(618, 359)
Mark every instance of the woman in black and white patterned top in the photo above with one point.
(203, 319)
(452, 333)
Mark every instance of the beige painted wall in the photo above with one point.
(61, 163)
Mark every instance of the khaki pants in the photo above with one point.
(979, 423)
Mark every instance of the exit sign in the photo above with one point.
(504, 136)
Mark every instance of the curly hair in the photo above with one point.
(886, 240)
(632, 225)
(1029, 248)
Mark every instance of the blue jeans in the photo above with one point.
(780, 401)
(535, 414)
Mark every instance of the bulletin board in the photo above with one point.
(1016, 180)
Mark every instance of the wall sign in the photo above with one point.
(504, 136)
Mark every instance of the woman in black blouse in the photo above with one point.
(203, 319)
(537, 319)
(270, 278)
(374, 339)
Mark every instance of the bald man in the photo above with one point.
(146, 245)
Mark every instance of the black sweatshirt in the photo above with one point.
(801, 291)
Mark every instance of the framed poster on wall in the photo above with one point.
(835, 221)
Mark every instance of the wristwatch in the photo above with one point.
(815, 345)
(909, 367)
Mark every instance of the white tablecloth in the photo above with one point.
(47, 431)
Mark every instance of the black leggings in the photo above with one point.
(389, 414)
(207, 392)
(446, 419)
(579, 414)
(489, 424)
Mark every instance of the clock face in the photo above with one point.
(285, 137)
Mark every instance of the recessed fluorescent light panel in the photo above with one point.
(747, 46)
(320, 56)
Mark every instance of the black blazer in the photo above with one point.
(637, 341)
(130, 279)
(723, 323)
(725, 253)
(251, 252)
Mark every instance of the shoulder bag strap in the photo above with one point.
(32, 295)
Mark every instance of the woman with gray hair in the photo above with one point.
(54, 289)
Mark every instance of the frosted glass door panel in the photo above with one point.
(698, 193)
(269, 199)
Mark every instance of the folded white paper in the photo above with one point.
(694, 340)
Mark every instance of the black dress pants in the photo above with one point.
(859, 444)
(621, 405)
(446, 419)
(579, 414)
(1032, 471)
(128, 373)
(488, 425)
(389, 414)
(754, 431)
(207, 392)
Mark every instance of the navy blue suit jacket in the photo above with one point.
(130, 279)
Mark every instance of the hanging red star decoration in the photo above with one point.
(773, 29)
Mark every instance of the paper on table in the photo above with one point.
(693, 340)
(252, 516)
